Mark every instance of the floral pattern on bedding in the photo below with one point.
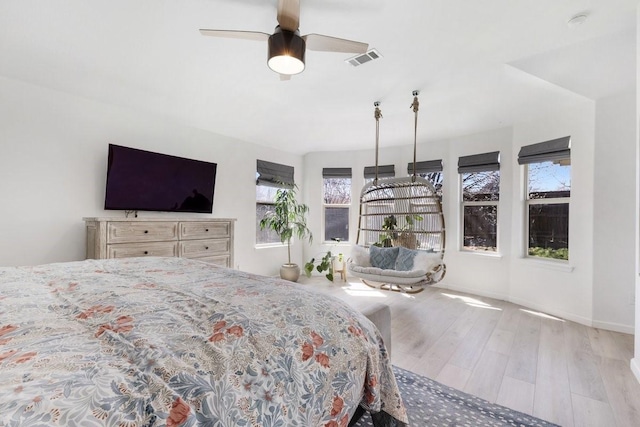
(175, 342)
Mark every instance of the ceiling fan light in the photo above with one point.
(286, 52)
(287, 65)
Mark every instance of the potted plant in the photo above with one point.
(395, 235)
(288, 219)
(325, 264)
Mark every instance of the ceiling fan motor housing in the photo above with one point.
(286, 52)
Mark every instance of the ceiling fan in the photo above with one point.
(286, 46)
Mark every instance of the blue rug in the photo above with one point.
(430, 403)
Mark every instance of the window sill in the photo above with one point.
(549, 264)
(270, 245)
(495, 255)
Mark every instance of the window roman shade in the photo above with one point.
(479, 162)
(274, 174)
(384, 171)
(555, 149)
(427, 166)
(336, 172)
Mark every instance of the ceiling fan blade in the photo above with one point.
(333, 44)
(284, 77)
(230, 34)
(289, 14)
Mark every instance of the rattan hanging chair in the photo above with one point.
(401, 212)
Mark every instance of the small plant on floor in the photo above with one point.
(324, 265)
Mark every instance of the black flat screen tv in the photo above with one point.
(139, 180)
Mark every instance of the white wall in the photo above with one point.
(635, 362)
(614, 211)
(556, 288)
(480, 273)
(357, 160)
(53, 162)
(569, 290)
(53, 156)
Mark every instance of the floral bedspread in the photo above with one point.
(176, 342)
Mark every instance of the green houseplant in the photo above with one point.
(395, 235)
(288, 218)
(325, 264)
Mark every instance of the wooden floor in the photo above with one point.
(554, 369)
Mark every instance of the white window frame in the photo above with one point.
(529, 202)
(259, 202)
(272, 175)
(336, 205)
(557, 151)
(464, 203)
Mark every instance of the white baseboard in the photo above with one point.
(611, 326)
(635, 367)
(471, 291)
(616, 327)
(553, 312)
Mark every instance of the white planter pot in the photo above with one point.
(290, 272)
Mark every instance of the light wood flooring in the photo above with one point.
(557, 370)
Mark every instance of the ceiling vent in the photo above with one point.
(364, 58)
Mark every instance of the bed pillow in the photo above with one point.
(384, 258)
(404, 262)
(360, 256)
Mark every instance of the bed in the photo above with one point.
(178, 342)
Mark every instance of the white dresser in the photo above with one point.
(205, 239)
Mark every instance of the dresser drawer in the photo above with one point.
(203, 248)
(204, 239)
(126, 232)
(221, 260)
(204, 230)
(125, 250)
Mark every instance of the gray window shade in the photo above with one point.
(479, 162)
(274, 174)
(385, 171)
(427, 166)
(556, 149)
(336, 172)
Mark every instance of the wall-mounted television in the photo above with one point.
(139, 180)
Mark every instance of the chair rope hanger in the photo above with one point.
(401, 212)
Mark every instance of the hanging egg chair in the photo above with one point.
(401, 225)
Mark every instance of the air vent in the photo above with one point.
(364, 58)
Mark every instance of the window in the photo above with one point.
(430, 170)
(336, 203)
(269, 178)
(376, 209)
(480, 190)
(548, 184)
(265, 196)
(384, 171)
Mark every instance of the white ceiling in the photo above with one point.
(478, 64)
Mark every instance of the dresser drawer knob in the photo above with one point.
(206, 229)
(146, 252)
(146, 231)
(206, 248)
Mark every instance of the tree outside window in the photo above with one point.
(436, 179)
(480, 196)
(265, 196)
(548, 195)
(269, 178)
